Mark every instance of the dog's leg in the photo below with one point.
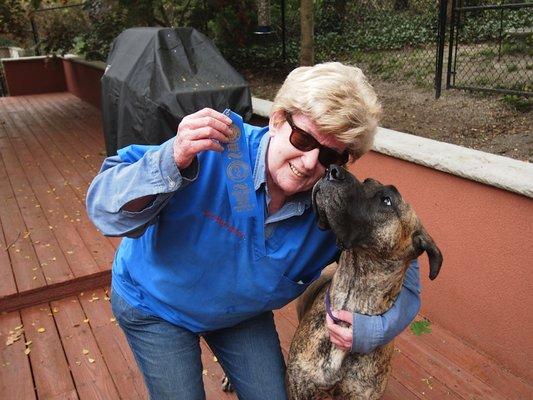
(301, 392)
(298, 387)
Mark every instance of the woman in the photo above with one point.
(219, 231)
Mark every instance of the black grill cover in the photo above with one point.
(156, 76)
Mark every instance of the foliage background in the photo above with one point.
(341, 27)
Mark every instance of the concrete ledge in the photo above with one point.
(502, 172)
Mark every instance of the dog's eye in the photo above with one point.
(386, 200)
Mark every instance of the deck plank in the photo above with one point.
(84, 136)
(103, 248)
(113, 345)
(90, 372)
(71, 257)
(69, 140)
(74, 208)
(7, 279)
(15, 373)
(479, 365)
(24, 262)
(456, 377)
(51, 139)
(49, 365)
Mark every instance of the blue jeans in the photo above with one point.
(169, 356)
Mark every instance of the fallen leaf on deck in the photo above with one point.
(91, 360)
(85, 351)
(41, 330)
(427, 382)
(27, 351)
(14, 335)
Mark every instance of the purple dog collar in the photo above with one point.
(328, 307)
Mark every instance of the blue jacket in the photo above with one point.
(189, 260)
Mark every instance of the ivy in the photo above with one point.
(420, 327)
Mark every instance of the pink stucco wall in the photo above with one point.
(484, 293)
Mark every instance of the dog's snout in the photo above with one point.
(335, 173)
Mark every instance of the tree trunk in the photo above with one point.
(307, 53)
(400, 5)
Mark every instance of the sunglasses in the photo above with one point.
(303, 141)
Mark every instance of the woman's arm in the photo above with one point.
(130, 190)
(370, 332)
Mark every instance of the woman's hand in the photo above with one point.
(339, 336)
(198, 132)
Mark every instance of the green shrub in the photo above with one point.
(518, 103)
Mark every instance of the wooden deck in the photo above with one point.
(54, 271)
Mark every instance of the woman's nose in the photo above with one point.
(310, 159)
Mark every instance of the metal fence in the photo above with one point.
(491, 47)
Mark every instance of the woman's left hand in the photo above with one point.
(338, 335)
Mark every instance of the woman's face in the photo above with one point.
(291, 170)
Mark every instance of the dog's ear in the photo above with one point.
(423, 242)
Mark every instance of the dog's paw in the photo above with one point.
(226, 385)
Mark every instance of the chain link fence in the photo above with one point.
(492, 46)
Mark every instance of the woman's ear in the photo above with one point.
(275, 122)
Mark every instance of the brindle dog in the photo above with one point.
(379, 235)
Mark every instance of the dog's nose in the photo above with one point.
(335, 173)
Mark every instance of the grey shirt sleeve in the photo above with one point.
(371, 331)
(120, 182)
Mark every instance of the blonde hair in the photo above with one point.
(337, 98)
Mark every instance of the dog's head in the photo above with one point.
(372, 216)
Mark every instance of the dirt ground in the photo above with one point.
(479, 121)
